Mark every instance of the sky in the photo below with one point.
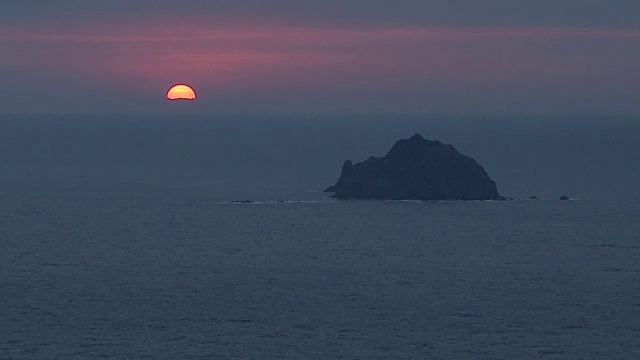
(453, 57)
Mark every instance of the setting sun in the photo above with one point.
(181, 92)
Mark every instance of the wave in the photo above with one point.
(268, 202)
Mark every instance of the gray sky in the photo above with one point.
(357, 56)
(432, 12)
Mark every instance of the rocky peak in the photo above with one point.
(416, 168)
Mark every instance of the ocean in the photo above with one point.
(120, 238)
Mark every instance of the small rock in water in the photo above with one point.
(564, 198)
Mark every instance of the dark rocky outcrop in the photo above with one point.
(416, 169)
(533, 198)
(564, 198)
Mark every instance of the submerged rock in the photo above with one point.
(416, 169)
(564, 198)
(533, 198)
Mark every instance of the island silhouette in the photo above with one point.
(416, 169)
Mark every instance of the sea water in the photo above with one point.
(120, 239)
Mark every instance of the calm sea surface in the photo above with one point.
(118, 241)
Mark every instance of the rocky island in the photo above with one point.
(416, 169)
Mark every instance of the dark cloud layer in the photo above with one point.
(618, 13)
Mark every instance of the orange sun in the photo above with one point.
(181, 92)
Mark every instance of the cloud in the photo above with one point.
(237, 48)
(371, 64)
(243, 32)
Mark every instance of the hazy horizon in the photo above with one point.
(285, 156)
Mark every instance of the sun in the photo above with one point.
(181, 92)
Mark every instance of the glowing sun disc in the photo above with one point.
(181, 92)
